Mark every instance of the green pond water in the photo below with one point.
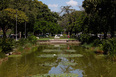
(58, 61)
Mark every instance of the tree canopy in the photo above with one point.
(101, 15)
(8, 18)
(30, 12)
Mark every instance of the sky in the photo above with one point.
(55, 5)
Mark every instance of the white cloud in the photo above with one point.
(53, 5)
(72, 3)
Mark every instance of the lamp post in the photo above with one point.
(16, 25)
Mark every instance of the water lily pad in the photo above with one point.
(70, 50)
(14, 55)
(68, 63)
(48, 64)
(57, 75)
(47, 55)
(61, 55)
(52, 50)
(70, 55)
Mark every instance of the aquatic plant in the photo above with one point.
(54, 50)
(15, 56)
(60, 55)
(56, 75)
(48, 50)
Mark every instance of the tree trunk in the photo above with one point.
(26, 34)
(70, 33)
(105, 35)
(22, 34)
(96, 35)
(112, 33)
(4, 32)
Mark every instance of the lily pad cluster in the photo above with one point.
(56, 75)
(61, 55)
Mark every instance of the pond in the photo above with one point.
(58, 61)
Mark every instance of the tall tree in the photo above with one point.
(8, 18)
(103, 12)
(4, 4)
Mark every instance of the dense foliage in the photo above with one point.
(8, 18)
(29, 13)
(100, 16)
(6, 45)
(109, 46)
(32, 16)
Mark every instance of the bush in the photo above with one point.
(22, 41)
(7, 45)
(32, 39)
(96, 42)
(109, 46)
(73, 36)
(2, 55)
(84, 38)
(65, 36)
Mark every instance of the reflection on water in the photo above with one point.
(62, 68)
(58, 59)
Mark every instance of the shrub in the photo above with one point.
(73, 36)
(96, 42)
(32, 39)
(64, 35)
(7, 45)
(84, 38)
(22, 41)
(109, 46)
(2, 55)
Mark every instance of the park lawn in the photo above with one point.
(53, 38)
(67, 38)
(44, 38)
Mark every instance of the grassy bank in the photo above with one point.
(105, 47)
(12, 48)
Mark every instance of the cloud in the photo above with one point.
(53, 5)
(72, 3)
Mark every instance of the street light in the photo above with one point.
(16, 25)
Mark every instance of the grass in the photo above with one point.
(53, 38)
(44, 38)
